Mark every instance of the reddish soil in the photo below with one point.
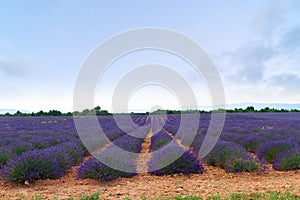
(213, 181)
(144, 155)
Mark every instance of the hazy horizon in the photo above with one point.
(257, 106)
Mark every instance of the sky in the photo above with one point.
(255, 46)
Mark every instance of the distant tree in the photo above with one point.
(97, 108)
(54, 113)
(85, 112)
(76, 113)
(295, 110)
(104, 112)
(250, 109)
(68, 114)
(18, 113)
(40, 113)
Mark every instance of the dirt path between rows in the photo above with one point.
(144, 155)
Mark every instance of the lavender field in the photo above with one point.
(33, 148)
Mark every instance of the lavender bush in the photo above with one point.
(94, 169)
(252, 143)
(5, 154)
(172, 159)
(119, 163)
(159, 140)
(270, 150)
(288, 160)
(49, 163)
(162, 163)
(231, 157)
(235, 165)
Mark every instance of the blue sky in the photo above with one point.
(255, 46)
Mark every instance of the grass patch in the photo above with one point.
(269, 195)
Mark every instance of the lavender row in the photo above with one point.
(48, 163)
(46, 147)
(22, 134)
(170, 158)
(118, 159)
(231, 157)
(95, 138)
(274, 138)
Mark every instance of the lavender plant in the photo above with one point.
(173, 159)
(231, 157)
(49, 163)
(288, 160)
(270, 150)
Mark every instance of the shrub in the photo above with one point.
(231, 157)
(49, 163)
(251, 143)
(129, 143)
(224, 151)
(159, 140)
(5, 155)
(31, 166)
(116, 163)
(269, 151)
(94, 169)
(231, 137)
(241, 165)
(174, 159)
(288, 160)
(22, 147)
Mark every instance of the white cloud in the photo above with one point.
(265, 68)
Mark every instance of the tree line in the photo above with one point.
(249, 109)
(98, 111)
(86, 112)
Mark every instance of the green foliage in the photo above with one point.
(95, 196)
(160, 143)
(181, 198)
(86, 112)
(269, 195)
(287, 161)
(241, 165)
(272, 153)
(32, 165)
(252, 146)
(292, 162)
(37, 197)
(4, 157)
(18, 150)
